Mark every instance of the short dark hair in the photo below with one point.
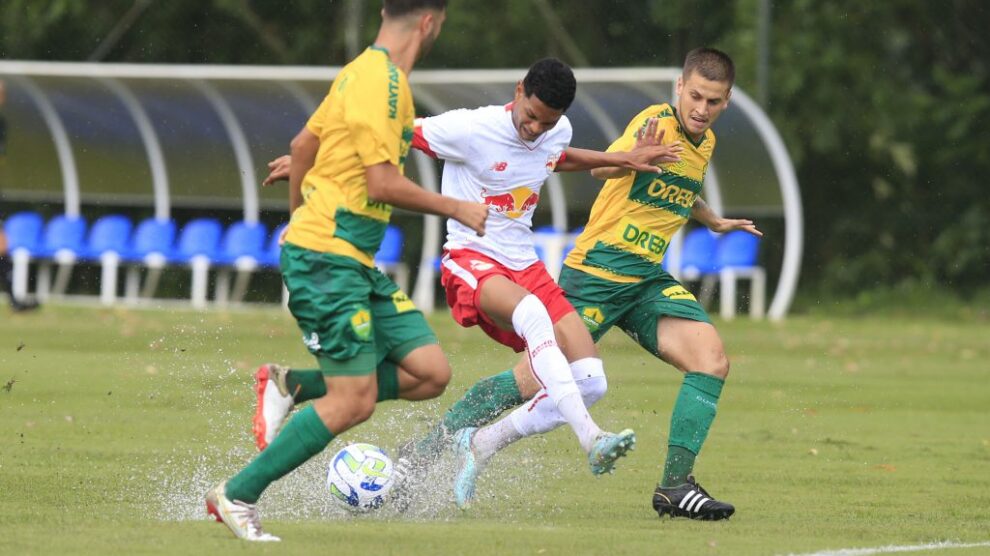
(710, 63)
(552, 81)
(399, 8)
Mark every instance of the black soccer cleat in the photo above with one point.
(691, 501)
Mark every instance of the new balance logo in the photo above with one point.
(500, 166)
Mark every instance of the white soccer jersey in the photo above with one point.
(486, 161)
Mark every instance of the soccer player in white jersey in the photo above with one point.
(501, 156)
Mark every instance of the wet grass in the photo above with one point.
(832, 433)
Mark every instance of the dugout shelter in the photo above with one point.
(168, 137)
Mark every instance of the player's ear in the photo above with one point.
(680, 84)
(426, 23)
(520, 91)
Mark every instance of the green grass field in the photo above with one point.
(831, 434)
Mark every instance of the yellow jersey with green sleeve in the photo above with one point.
(365, 119)
(635, 216)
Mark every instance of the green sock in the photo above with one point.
(481, 404)
(308, 384)
(694, 412)
(303, 437)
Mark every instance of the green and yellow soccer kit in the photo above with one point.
(613, 276)
(352, 317)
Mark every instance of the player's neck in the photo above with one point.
(695, 139)
(402, 47)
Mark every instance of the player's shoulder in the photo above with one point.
(492, 114)
(562, 132)
(371, 67)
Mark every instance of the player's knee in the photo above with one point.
(589, 375)
(436, 382)
(362, 409)
(592, 389)
(717, 364)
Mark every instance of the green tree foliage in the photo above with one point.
(884, 105)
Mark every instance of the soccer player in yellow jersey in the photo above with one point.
(614, 277)
(370, 341)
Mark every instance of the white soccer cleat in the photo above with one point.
(274, 403)
(242, 519)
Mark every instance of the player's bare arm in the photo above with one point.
(647, 138)
(701, 212)
(304, 147)
(387, 185)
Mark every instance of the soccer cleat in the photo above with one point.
(609, 447)
(274, 403)
(468, 467)
(242, 519)
(690, 500)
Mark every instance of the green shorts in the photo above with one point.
(352, 317)
(635, 308)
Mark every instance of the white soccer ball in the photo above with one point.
(360, 476)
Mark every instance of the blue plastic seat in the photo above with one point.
(698, 253)
(273, 252)
(242, 240)
(572, 240)
(152, 236)
(63, 233)
(109, 234)
(389, 257)
(62, 242)
(107, 243)
(737, 249)
(737, 258)
(198, 238)
(391, 248)
(23, 231)
(242, 250)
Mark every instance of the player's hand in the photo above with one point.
(278, 170)
(281, 236)
(723, 225)
(650, 151)
(472, 215)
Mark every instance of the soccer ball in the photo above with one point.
(359, 477)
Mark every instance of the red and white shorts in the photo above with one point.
(464, 271)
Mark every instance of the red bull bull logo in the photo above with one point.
(515, 203)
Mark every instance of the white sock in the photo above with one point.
(494, 437)
(532, 322)
(539, 415)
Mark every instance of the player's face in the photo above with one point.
(531, 117)
(430, 24)
(700, 102)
